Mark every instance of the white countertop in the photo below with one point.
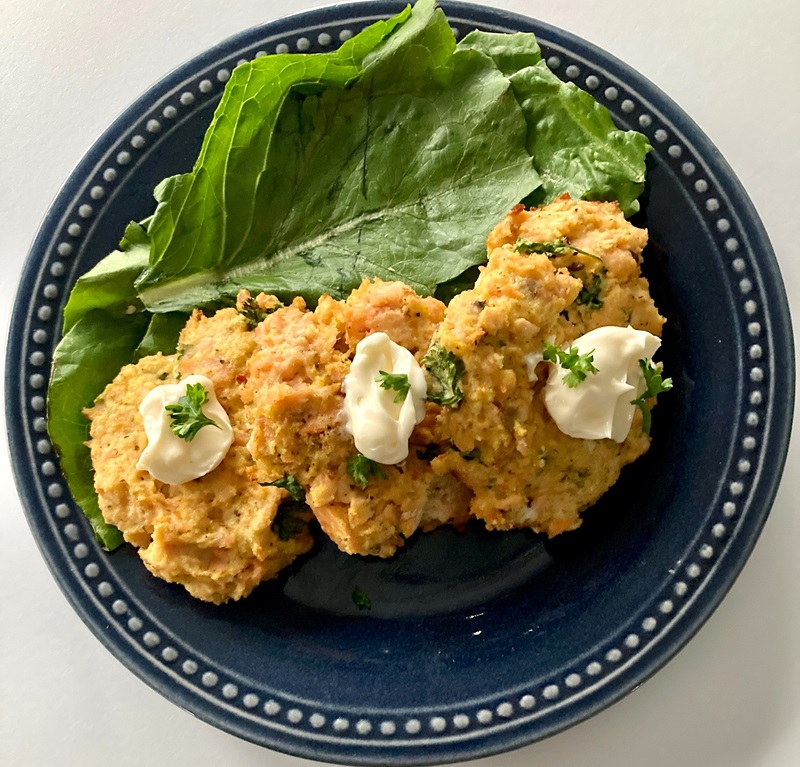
(730, 698)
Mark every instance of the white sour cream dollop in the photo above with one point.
(379, 425)
(171, 459)
(600, 406)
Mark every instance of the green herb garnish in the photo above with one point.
(559, 247)
(187, 416)
(253, 313)
(289, 483)
(579, 365)
(361, 600)
(655, 384)
(361, 469)
(290, 520)
(589, 295)
(428, 453)
(445, 371)
(394, 381)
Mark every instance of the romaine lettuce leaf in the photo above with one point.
(88, 356)
(400, 175)
(110, 284)
(575, 145)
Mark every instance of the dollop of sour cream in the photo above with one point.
(171, 459)
(600, 406)
(380, 426)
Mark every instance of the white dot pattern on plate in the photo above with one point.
(438, 723)
(294, 715)
(251, 701)
(156, 124)
(551, 692)
(527, 701)
(413, 726)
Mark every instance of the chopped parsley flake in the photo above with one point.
(290, 520)
(361, 469)
(590, 293)
(187, 416)
(428, 453)
(253, 313)
(289, 483)
(559, 247)
(655, 384)
(361, 600)
(445, 371)
(579, 365)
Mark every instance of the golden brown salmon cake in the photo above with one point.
(500, 441)
(214, 534)
(295, 400)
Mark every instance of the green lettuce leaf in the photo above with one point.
(575, 145)
(161, 335)
(110, 284)
(96, 346)
(400, 175)
(510, 52)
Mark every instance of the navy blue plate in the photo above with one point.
(475, 643)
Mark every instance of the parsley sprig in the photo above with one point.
(589, 295)
(255, 314)
(187, 416)
(291, 519)
(560, 247)
(394, 381)
(289, 483)
(579, 365)
(361, 469)
(360, 599)
(655, 384)
(445, 371)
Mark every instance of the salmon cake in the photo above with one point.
(500, 441)
(213, 535)
(294, 392)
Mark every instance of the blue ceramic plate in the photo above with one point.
(476, 643)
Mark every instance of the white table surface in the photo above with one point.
(730, 698)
